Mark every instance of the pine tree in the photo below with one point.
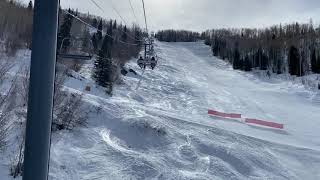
(279, 65)
(318, 66)
(264, 62)
(294, 61)
(247, 64)
(207, 41)
(77, 12)
(98, 69)
(95, 22)
(137, 36)
(94, 41)
(110, 33)
(103, 64)
(314, 67)
(86, 40)
(124, 35)
(64, 32)
(236, 59)
(30, 6)
(99, 31)
(114, 25)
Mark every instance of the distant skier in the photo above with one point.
(140, 62)
(269, 74)
(153, 63)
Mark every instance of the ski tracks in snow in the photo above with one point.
(162, 130)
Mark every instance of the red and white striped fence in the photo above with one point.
(264, 123)
(246, 120)
(225, 115)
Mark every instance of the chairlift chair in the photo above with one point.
(81, 56)
(150, 61)
(150, 58)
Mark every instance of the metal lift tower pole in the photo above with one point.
(42, 73)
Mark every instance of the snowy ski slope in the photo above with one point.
(162, 130)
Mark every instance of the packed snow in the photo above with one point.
(160, 129)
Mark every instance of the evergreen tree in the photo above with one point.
(64, 32)
(94, 41)
(177, 36)
(257, 59)
(267, 49)
(110, 33)
(86, 41)
(99, 31)
(207, 41)
(30, 6)
(314, 64)
(124, 34)
(137, 36)
(318, 66)
(236, 59)
(103, 64)
(95, 22)
(114, 25)
(77, 12)
(279, 65)
(99, 67)
(264, 62)
(247, 64)
(294, 61)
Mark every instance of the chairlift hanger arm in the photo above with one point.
(74, 56)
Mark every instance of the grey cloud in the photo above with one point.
(204, 14)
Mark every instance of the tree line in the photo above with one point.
(292, 48)
(15, 26)
(113, 49)
(73, 36)
(177, 36)
(113, 43)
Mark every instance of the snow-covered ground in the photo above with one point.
(162, 130)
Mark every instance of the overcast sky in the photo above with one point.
(204, 14)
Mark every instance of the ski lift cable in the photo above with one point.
(112, 6)
(133, 12)
(117, 12)
(145, 17)
(97, 5)
(82, 21)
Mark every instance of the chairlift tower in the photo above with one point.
(41, 89)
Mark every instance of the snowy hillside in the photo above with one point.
(162, 130)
